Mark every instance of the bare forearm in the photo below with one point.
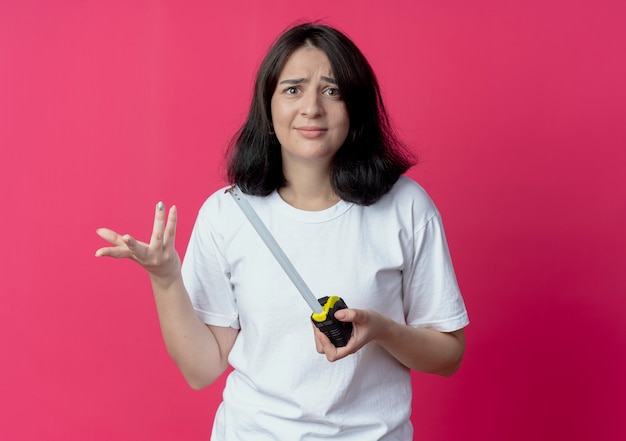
(419, 349)
(200, 351)
(424, 350)
(191, 344)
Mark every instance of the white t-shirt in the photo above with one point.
(391, 257)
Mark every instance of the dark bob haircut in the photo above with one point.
(371, 159)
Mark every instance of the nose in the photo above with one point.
(311, 105)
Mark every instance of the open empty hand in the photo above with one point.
(159, 257)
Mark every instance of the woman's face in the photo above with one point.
(308, 113)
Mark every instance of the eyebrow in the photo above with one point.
(305, 80)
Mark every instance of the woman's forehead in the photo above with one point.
(307, 62)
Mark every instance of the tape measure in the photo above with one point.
(324, 309)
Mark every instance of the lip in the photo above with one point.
(311, 131)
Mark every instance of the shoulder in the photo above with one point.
(405, 194)
(221, 213)
(406, 186)
(218, 211)
(215, 204)
(407, 204)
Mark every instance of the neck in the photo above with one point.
(308, 189)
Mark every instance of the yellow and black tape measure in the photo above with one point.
(338, 332)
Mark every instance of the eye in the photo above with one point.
(332, 92)
(291, 90)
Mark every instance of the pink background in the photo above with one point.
(517, 109)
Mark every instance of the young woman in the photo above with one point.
(323, 170)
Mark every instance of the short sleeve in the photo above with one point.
(206, 274)
(432, 297)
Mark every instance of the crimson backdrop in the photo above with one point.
(517, 109)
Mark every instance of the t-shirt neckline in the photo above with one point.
(297, 214)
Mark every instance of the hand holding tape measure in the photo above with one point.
(324, 309)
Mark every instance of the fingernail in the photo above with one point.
(160, 206)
